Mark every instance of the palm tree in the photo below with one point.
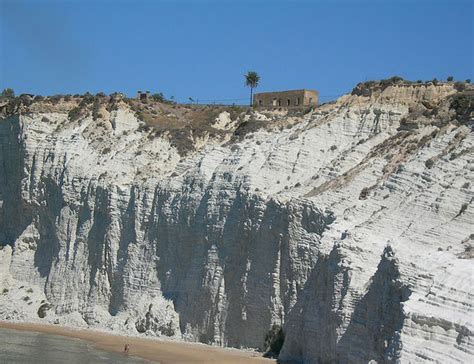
(251, 80)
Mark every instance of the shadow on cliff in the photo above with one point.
(226, 258)
(314, 329)
(15, 215)
(311, 325)
(376, 323)
(128, 237)
(48, 216)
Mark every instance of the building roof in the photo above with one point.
(278, 92)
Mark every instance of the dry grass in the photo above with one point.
(182, 124)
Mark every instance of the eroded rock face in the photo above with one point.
(319, 327)
(106, 221)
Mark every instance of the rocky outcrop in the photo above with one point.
(348, 225)
(370, 332)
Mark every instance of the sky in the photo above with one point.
(202, 49)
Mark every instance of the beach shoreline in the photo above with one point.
(154, 350)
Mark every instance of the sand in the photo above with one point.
(164, 352)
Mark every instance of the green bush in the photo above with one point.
(460, 86)
(463, 208)
(450, 78)
(8, 92)
(88, 98)
(274, 341)
(468, 80)
(160, 97)
(55, 99)
(463, 105)
(390, 81)
(74, 113)
(364, 193)
(42, 310)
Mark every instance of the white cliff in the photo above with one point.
(350, 225)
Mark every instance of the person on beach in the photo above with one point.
(126, 349)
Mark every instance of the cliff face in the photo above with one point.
(350, 225)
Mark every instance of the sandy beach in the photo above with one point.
(164, 352)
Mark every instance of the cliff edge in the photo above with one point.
(349, 225)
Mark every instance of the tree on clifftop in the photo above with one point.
(251, 80)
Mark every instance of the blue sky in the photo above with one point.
(202, 49)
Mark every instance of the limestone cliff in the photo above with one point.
(349, 225)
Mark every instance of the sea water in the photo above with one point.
(38, 348)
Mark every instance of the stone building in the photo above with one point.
(292, 98)
(143, 95)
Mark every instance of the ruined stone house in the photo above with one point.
(143, 95)
(292, 98)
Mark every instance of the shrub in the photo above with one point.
(26, 298)
(29, 290)
(274, 341)
(364, 193)
(42, 310)
(460, 86)
(463, 105)
(55, 99)
(463, 208)
(390, 81)
(5, 290)
(88, 98)
(429, 163)
(74, 113)
(450, 78)
(468, 80)
(435, 81)
(160, 97)
(333, 147)
(8, 92)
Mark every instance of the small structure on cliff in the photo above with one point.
(143, 95)
(292, 98)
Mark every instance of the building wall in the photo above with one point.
(311, 97)
(293, 98)
(143, 95)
